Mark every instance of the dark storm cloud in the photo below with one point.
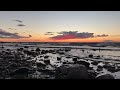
(5, 34)
(18, 21)
(75, 35)
(21, 25)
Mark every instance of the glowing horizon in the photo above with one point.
(59, 26)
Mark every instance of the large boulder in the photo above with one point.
(105, 76)
(72, 71)
(21, 71)
(78, 72)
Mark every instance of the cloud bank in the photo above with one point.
(75, 35)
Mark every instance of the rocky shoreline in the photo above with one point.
(24, 63)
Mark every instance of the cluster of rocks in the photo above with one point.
(18, 65)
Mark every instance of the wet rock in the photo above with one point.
(95, 62)
(90, 56)
(32, 50)
(92, 74)
(110, 68)
(74, 71)
(42, 52)
(41, 65)
(64, 62)
(99, 68)
(105, 76)
(84, 63)
(47, 61)
(94, 49)
(68, 57)
(46, 56)
(26, 47)
(59, 58)
(75, 59)
(37, 49)
(21, 71)
(78, 72)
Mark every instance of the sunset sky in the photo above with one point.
(59, 26)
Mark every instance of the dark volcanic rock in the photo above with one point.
(110, 68)
(59, 58)
(47, 61)
(21, 71)
(92, 74)
(78, 72)
(37, 49)
(46, 56)
(105, 76)
(75, 59)
(41, 65)
(90, 56)
(74, 71)
(64, 62)
(99, 68)
(84, 63)
(95, 62)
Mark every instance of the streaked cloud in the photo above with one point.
(5, 34)
(21, 25)
(18, 21)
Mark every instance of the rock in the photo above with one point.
(46, 56)
(90, 56)
(26, 47)
(41, 65)
(74, 71)
(78, 72)
(110, 68)
(84, 63)
(21, 71)
(75, 59)
(68, 57)
(47, 61)
(64, 62)
(58, 58)
(95, 62)
(92, 74)
(105, 76)
(32, 50)
(99, 68)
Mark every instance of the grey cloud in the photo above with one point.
(18, 21)
(103, 35)
(73, 35)
(21, 25)
(5, 34)
(49, 32)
